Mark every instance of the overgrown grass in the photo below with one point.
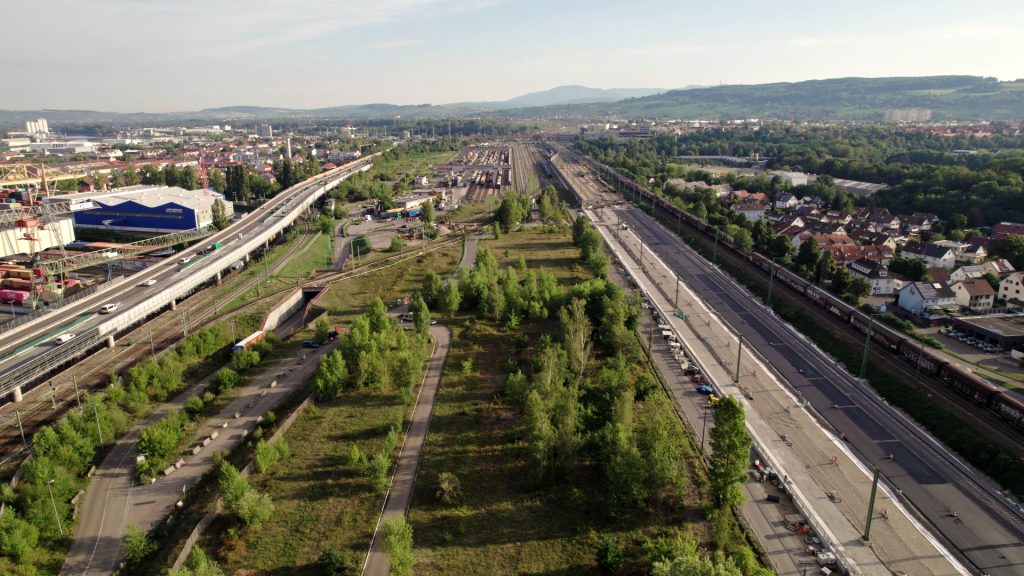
(320, 501)
(500, 523)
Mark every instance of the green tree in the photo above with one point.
(199, 564)
(540, 437)
(859, 287)
(807, 255)
(242, 360)
(322, 329)
(512, 211)
(427, 212)
(331, 375)
(225, 379)
(420, 315)
(730, 453)
(193, 406)
(398, 546)
(220, 219)
(432, 284)
(576, 333)
(397, 244)
(449, 298)
(17, 537)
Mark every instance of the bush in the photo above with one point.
(609, 553)
(356, 459)
(336, 562)
(255, 508)
(398, 546)
(378, 469)
(225, 380)
(397, 244)
(448, 487)
(268, 455)
(242, 360)
(17, 537)
(137, 544)
(193, 406)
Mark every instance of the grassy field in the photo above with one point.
(319, 501)
(500, 524)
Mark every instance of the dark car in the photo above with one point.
(705, 389)
(310, 344)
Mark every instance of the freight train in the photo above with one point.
(976, 390)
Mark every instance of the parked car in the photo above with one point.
(63, 338)
(705, 389)
(310, 344)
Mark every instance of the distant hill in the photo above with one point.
(949, 97)
(577, 95)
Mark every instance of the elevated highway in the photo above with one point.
(30, 354)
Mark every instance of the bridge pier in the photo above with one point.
(219, 279)
(110, 341)
(174, 304)
(17, 394)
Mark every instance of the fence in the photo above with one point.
(205, 521)
(12, 324)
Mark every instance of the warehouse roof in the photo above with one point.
(149, 196)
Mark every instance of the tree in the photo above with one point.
(807, 255)
(322, 329)
(449, 298)
(216, 180)
(17, 537)
(254, 508)
(540, 436)
(420, 315)
(730, 451)
(432, 284)
(859, 287)
(576, 333)
(448, 487)
(220, 219)
(242, 360)
(512, 211)
(193, 406)
(397, 244)
(427, 212)
(398, 546)
(225, 379)
(825, 267)
(331, 375)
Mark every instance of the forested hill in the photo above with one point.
(949, 97)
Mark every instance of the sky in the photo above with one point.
(180, 55)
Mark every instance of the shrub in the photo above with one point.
(378, 469)
(398, 546)
(336, 562)
(193, 406)
(137, 544)
(255, 508)
(448, 487)
(225, 380)
(242, 360)
(17, 537)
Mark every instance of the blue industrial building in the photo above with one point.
(155, 209)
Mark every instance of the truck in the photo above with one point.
(248, 341)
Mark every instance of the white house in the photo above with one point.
(937, 256)
(1010, 288)
(969, 272)
(883, 283)
(786, 201)
(976, 294)
(754, 211)
(918, 297)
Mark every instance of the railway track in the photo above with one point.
(160, 333)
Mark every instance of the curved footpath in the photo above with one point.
(399, 496)
(112, 502)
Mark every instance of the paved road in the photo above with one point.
(931, 478)
(468, 254)
(793, 440)
(399, 496)
(112, 502)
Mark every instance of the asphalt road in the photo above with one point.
(112, 501)
(399, 496)
(931, 479)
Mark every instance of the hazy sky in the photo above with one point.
(158, 56)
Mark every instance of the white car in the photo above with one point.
(63, 338)
(108, 308)
(149, 282)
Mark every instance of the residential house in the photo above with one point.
(932, 255)
(863, 236)
(882, 220)
(753, 210)
(837, 217)
(1001, 267)
(976, 294)
(974, 254)
(786, 201)
(919, 297)
(1004, 229)
(968, 272)
(939, 274)
(919, 222)
(883, 283)
(1011, 287)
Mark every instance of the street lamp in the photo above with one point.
(53, 501)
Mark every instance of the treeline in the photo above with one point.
(62, 453)
(967, 181)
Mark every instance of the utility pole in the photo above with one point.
(917, 370)
(867, 345)
(53, 394)
(871, 507)
(21, 429)
(714, 257)
(74, 381)
(677, 291)
(771, 280)
(739, 355)
(152, 346)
